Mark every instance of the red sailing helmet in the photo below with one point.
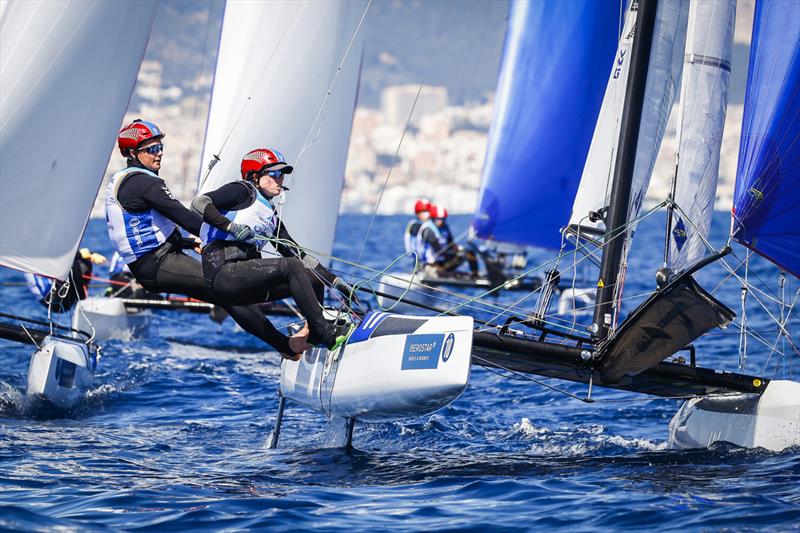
(135, 133)
(438, 211)
(422, 205)
(262, 159)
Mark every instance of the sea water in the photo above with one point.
(173, 434)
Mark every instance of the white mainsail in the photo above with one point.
(662, 78)
(704, 100)
(275, 65)
(67, 71)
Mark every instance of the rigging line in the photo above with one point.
(555, 321)
(524, 377)
(753, 334)
(306, 143)
(80, 309)
(367, 268)
(215, 157)
(779, 336)
(487, 309)
(405, 129)
(774, 298)
(727, 277)
(622, 230)
(578, 238)
(764, 307)
(480, 296)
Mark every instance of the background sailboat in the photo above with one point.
(631, 356)
(68, 71)
(554, 59)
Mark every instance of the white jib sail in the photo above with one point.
(663, 76)
(704, 100)
(276, 63)
(598, 171)
(67, 71)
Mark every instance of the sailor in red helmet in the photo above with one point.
(421, 207)
(451, 255)
(143, 220)
(240, 220)
(428, 243)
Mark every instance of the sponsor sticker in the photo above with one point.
(422, 351)
(447, 351)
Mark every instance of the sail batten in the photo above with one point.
(67, 72)
(766, 207)
(548, 97)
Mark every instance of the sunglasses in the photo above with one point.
(274, 174)
(153, 149)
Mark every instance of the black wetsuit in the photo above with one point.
(428, 236)
(169, 269)
(237, 273)
(452, 256)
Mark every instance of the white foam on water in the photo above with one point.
(12, 401)
(578, 440)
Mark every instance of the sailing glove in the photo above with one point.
(240, 232)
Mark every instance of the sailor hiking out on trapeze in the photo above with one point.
(240, 220)
(143, 220)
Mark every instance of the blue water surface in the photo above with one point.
(173, 436)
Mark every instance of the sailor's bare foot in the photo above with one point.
(304, 331)
(299, 341)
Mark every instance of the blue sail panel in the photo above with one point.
(766, 205)
(555, 65)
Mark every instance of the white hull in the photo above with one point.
(59, 372)
(393, 366)
(109, 319)
(396, 284)
(770, 421)
(576, 302)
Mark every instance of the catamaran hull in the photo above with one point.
(770, 420)
(109, 319)
(392, 367)
(59, 372)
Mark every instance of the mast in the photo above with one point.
(623, 170)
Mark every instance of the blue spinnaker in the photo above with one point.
(766, 205)
(555, 66)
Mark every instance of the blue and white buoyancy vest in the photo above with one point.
(39, 285)
(134, 234)
(259, 215)
(409, 240)
(424, 250)
(444, 235)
